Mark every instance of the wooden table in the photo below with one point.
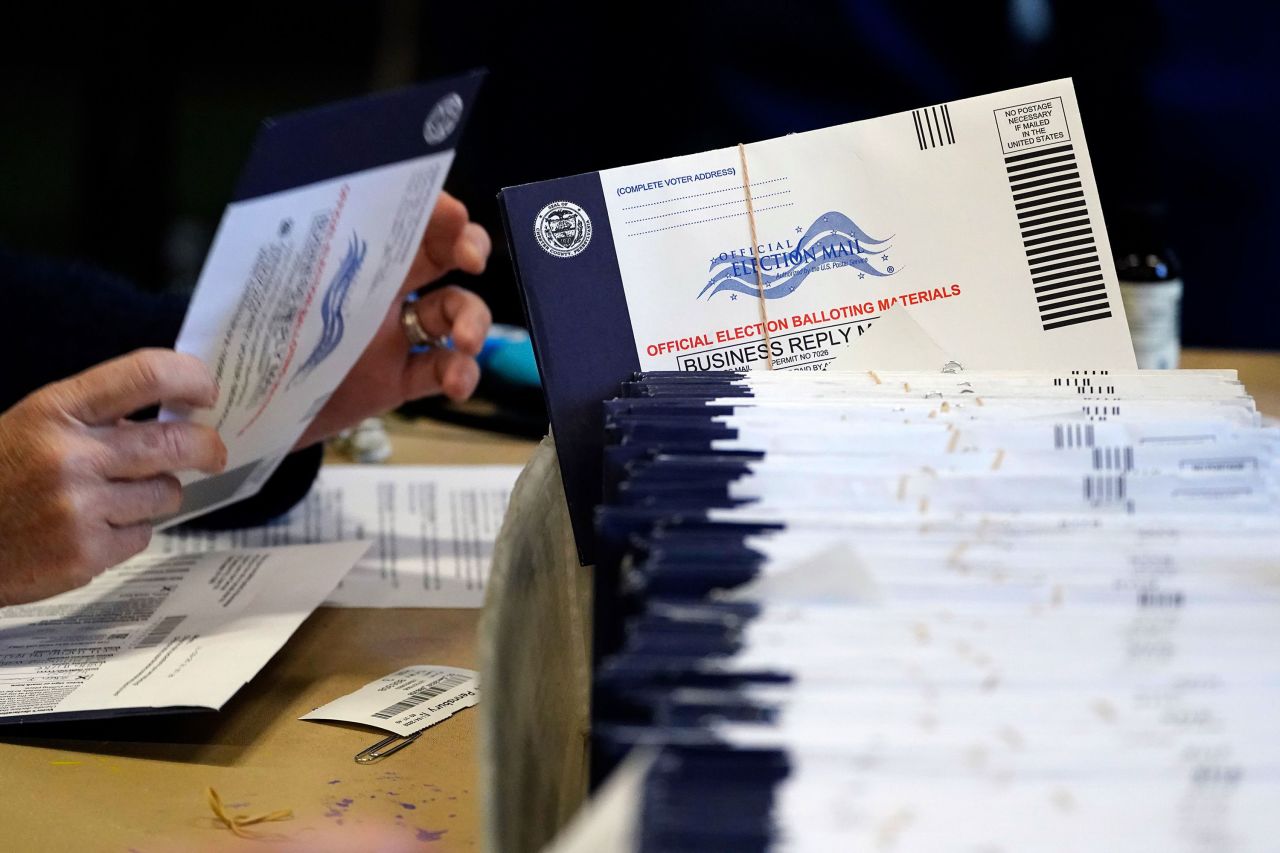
(139, 785)
(1259, 371)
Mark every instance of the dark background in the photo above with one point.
(123, 131)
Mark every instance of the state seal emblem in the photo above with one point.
(562, 229)
(442, 119)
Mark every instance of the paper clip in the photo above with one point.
(386, 746)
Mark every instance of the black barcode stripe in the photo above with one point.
(1021, 168)
(417, 697)
(1017, 158)
(1045, 186)
(1054, 295)
(1087, 241)
(1042, 173)
(1036, 272)
(1050, 296)
(1058, 285)
(1036, 202)
(1069, 302)
(1059, 232)
(1038, 264)
(1036, 192)
(1040, 168)
(160, 632)
(1050, 314)
(915, 120)
(1026, 214)
(1053, 276)
(1104, 488)
(1078, 221)
(946, 115)
(1073, 321)
(1021, 185)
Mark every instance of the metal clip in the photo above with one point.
(387, 746)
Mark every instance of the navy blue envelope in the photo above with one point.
(580, 327)
(363, 133)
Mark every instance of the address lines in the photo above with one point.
(712, 219)
(701, 195)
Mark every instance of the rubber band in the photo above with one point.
(237, 823)
(755, 254)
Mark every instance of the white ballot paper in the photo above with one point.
(406, 701)
(307, 261)
(161, 633)
(432, 527)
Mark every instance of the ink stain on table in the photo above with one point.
(428, 835)
(409, 806)
(334, 781)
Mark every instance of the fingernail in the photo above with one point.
(479, 244)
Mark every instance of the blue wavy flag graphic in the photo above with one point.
(833, 238)
(331, 307)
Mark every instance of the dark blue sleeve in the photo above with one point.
(58, 318)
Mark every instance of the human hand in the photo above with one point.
(388, 374)
(80, 486)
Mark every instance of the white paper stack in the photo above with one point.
(921, 611)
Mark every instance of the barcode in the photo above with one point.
(933, 127)
(160, 632)
(1066, 273)
(417, 697)
(1083, 385)
(1073, 435)
(1104, 489)
(1100, 413)
(1113, 458)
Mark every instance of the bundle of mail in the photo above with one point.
(936, 568)
(924, 611)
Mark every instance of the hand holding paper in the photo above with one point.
(79, 485)
(388, 373)
(311, 263)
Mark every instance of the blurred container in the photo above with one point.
(1150, 284)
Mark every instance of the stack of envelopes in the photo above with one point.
(944, 611)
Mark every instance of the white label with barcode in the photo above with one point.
(406, 701)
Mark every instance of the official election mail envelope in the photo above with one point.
(310, 253)
(980, 217)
